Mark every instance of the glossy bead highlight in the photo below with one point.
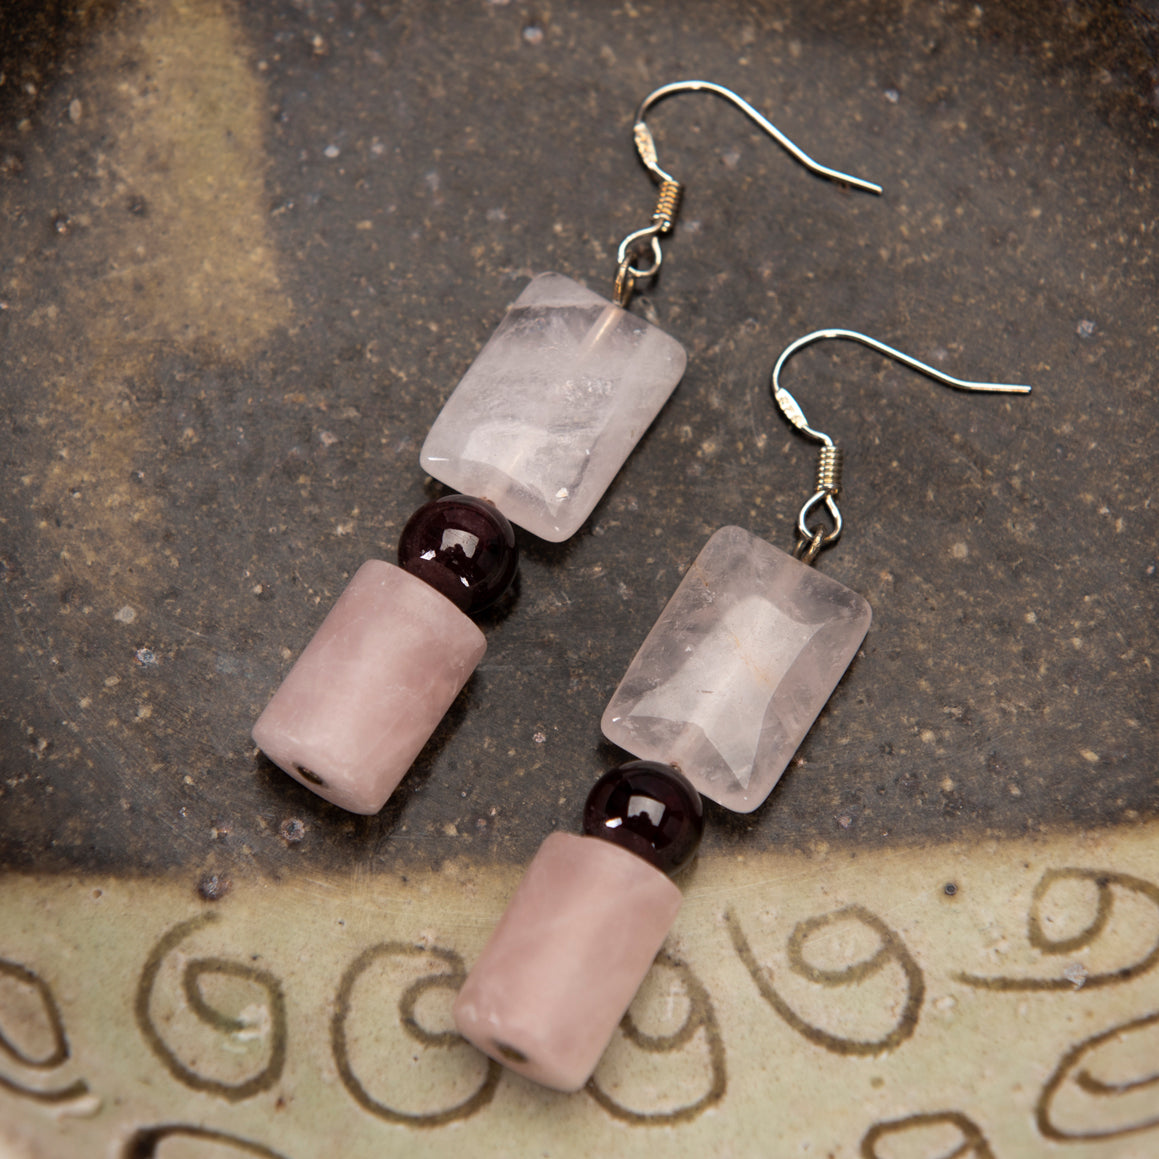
(463, 547)
(649, 809)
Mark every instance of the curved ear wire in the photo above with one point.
(647, 148)
(671, 190)
(828, 484)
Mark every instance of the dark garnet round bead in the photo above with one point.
(650, 809)
(463, 547)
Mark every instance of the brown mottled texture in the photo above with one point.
(247, 250)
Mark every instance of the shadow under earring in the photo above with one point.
(715, 702)
(538, 427)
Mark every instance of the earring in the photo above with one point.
(754, 641)
(539, 426)
(716, 701)
(565, 388)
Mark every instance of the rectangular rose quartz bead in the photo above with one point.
(566, 959)
(736, 669)
(551, 408)
(370, 688)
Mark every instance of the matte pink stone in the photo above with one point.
(566, 959)
(370, 688)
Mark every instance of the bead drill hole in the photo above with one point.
(309, 775)
(510, 1053)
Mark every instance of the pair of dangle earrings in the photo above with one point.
(715, 703)
(717, 700)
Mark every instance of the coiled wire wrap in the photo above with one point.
(668, 204)
(829, 464)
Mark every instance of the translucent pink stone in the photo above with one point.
(566, 959)
(546, 415)
(370, 688)
(737, 667)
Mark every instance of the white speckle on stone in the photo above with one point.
(75, 110)
(1085, 329)
(540, 738)
(327, 439)
(959, 551)
(892, 95)
(331, 151)
(126, 615)
(1076, 974)
(82, 1108)
(533, 34)
(255, 1023)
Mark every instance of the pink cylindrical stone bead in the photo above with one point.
(566, 959)
(370, 688)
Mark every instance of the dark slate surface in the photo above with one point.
(214, 402)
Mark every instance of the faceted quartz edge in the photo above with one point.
(549, 411)
(737, 667)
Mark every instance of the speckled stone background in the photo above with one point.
(240, 279)
(247, 250)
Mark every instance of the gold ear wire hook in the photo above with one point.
(829, 465)
(671, 190)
